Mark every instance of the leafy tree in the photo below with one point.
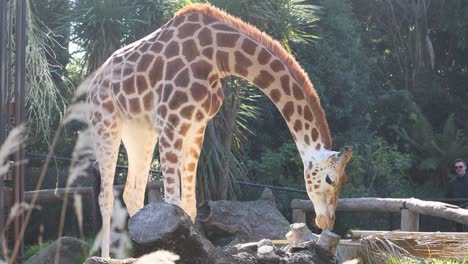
(435, 151)
(338, 68)
(417, 47)
(378, 169)
(282, 166)
(101, 27)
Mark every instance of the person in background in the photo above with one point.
(458, 187)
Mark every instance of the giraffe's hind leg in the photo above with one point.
(107, 142)
(139, 140)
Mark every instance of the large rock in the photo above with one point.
(233, 222)
(70, 249)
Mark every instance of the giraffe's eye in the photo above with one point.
(328, 180)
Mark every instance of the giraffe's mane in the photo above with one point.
(275, 48)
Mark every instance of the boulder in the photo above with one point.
(69, 250)
(234, 222)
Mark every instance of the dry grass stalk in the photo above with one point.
(78, 205)
(82, 155)
(382, 248)
(75, 112)
(12, 143)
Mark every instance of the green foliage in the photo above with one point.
(339, 71)
(378, 169)
(284, 20)
(49, 15)
(149, 15)
(100, 29)
(435, 151)
(282, 166)
(89, 244)
(31, 250)
(419, 50)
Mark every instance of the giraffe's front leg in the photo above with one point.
(190, 155)
(169, 156)
(181, 140)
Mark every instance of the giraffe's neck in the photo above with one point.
(301, 111)
(253, 56)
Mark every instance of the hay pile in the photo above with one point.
(389, 246)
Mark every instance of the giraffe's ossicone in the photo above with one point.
(167, 87)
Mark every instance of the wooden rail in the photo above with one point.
(153, 192)
(410, 209)
(358, 234)
(57, 195)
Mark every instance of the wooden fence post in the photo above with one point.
(409, 220)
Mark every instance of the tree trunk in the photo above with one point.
(230, 107)
(165, 226)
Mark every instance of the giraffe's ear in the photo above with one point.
(343, 157)
(346, 154)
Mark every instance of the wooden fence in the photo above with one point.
(410, 209)
(153, 194)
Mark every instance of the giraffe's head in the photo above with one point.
(324, 176)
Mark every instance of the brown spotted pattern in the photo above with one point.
(167, 87)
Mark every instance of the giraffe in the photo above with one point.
(166, 87)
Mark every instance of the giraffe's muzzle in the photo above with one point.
(325, 221)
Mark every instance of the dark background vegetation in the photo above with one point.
(392, 77)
